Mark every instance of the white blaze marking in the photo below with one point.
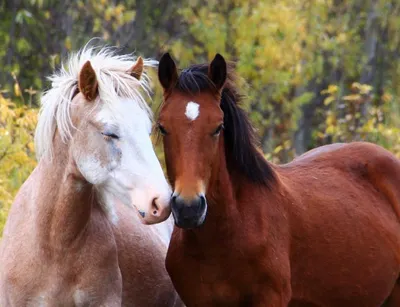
(192, 110)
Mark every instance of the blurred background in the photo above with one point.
(315, 71)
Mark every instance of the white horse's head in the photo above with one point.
(97, 107)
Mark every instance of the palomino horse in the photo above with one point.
(72, 237)
(322, 230)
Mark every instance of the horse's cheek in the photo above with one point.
(94, 157)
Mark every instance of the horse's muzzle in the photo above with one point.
(189, 213)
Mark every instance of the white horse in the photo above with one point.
(72, 237)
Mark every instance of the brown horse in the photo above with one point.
(322, 230)
(72, 237)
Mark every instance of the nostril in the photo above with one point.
(202, 201)
(154, 206)
(177, 203)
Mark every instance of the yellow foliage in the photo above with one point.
(332, 89)
(328, 100)
(381, 124)
(330, 129)
(387, 97)
(17, 157)
(17, 90)
(362, 88)
(278, 149)
(68, 43)
(331, 119)
(354, 97)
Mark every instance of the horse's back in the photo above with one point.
(320, 150)
(362, 164)
(344, 223)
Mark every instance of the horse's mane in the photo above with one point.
(241, 144)
(113, 83)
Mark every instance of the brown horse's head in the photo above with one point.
(201, 126)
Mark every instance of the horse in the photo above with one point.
(73, 236)
(322, 230)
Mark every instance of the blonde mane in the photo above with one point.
(113, 83)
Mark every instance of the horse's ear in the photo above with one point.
(137, 69)
(217, 71)
(88, 85)
(167, 73)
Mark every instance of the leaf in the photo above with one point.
(129, 15)
(68, 43)
(331, 119)
(365, 89)
(278, 149)
(23, 15)
(330, 130)
(17, 90)
(328, 100)
(387, 97)
(353, 97)
(304, 98)
(332, 89)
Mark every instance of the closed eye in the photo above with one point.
(162, 129)
(110, 135)
(218, 130)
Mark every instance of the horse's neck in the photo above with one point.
(63, 200)
(221, 192)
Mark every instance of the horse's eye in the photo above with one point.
(109, 135)
(161, 129)
(218, 130)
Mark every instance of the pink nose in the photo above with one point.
(158, 213)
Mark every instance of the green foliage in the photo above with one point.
(315, 72)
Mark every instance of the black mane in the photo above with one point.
(240, 138)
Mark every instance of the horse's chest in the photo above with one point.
(214, 282)
(54, 297)
(68, 278)
(45, 292)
